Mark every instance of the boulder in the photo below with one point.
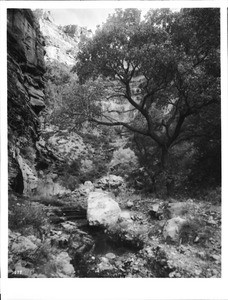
(128, 232)
(110, 181)
(172, 229)
(23, 245)
(102, 210)
(86, 188)
(104, 266)
(155, 211)
(60, 241)
(110, 255)
(69, 226)
(64, 268)
(79, 244)
(129, 204)
(125, 216)
(67, 145)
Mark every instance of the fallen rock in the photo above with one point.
(125, 216)
(110, 181)
(128, 233)
(155, 211)
(105, 266)
(79, 244)
(35, 240)
(86, 188)
(110, 255)
(69, 226)
(172, 229)
(22, 245)
(64, 268)
(102, 210)
(211, 221)
(215, 257)
(130, 204)
(60, 241)
(67, 145)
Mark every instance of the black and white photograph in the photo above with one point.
(114, 143)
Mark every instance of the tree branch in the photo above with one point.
(129, 127)
(120, 112)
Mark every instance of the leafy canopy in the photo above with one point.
(166, 72)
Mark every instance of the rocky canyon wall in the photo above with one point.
(37, 46)
(26, 68)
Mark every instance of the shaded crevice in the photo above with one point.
(18, 183)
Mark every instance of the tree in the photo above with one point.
(166, 67)
(79, 103)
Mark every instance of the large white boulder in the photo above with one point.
(102, 210)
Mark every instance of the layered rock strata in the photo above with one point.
(26, 69)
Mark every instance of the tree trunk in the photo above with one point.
(164, 158)
(163, 171)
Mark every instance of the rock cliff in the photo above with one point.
(61, 41)
(26, 68)
(34, 43)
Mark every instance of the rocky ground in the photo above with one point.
(104, 230)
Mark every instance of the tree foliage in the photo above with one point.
(166, 72)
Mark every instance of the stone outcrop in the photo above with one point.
(67, 145)
(29, 156)
(61, 41)
(26, 69)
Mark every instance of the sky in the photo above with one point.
(82, 17)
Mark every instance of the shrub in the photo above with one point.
(26, 214)
(123, 156)
(195, 228)
(69, 181)
(124, 162)
(189, 231)
(213, 196)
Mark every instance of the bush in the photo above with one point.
(26, 214)
(124, 162)
(213, 196)
(189, 231)
(69, 181)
